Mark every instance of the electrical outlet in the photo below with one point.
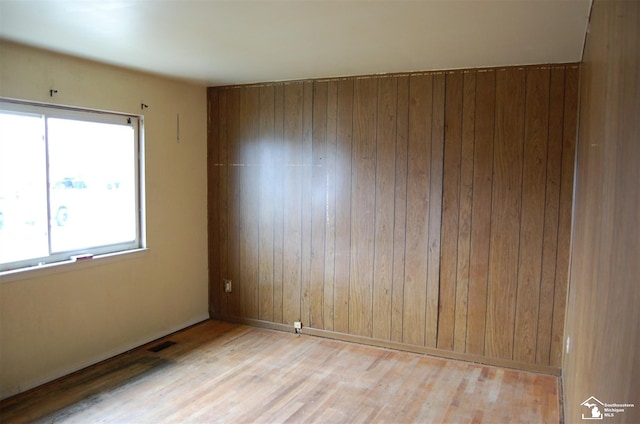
(227, 286)
(297, 326)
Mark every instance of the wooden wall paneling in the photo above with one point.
(249, 199)
(363, 207)
(307, 157)
(330, 228)
(465, 204)
(400, 209)
(293, 95)
(214, 171)
(222, 203)
(505, 212)
(384, 206)
(266, 184)
(423, 209)
(278, 202)
(235, 160)
(417, 221)
(319, 205)
(344, 140)
(481, 210)
(536, 129)
(450, 209)
(564, 218)
(603, 318)
(552, 206)
(435, 209)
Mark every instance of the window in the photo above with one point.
(69, 183)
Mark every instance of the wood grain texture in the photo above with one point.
(331, 206)
(319, 206)
(249, 203)
(278, 202)
(343, 206)
(293, 164)
(417, 220)
(427, 209)
(603, 318)
(384, 210)
(215, 215)
(505, 212)
(233, 193)
(400, 210)
(564, 217)
(450, 210)
(267, 184)
(223, 372)
(363, 197)
(532, 217)
(435, 210)
(481, 211)
(464, 216)
(306, 199)
(552, 207)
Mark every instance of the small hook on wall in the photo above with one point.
(52, 92)
(143, 106)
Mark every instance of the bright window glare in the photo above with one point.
(92, 184)
(23, 185)
(69, 184)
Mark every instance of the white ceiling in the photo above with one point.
(231, 42)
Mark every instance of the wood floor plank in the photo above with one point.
(223, 372)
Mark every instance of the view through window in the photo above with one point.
(69, 184)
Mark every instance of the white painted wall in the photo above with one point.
(53, 322)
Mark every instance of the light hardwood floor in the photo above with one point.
(223, 372)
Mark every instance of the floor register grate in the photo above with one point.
(162, 346)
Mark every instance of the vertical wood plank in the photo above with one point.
(221, 202)
(505, 212)
(249, 198)
(214, 173)
(267, 185)
(384, 201)
(417, 221)
(532, 217)
(450, 209)
(307, 157)
(481, 211)
(400, 209)
(292, 268)
(235, 158)
(319, 205)
(435, 209)
(330, 236)
(464, 216)
(363, 207)
(552, 206)
(278, 201)
(564, 218)
(343, 205)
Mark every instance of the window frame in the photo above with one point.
(47, 110)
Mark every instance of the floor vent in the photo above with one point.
(162, 346)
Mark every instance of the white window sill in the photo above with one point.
(69, 265)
